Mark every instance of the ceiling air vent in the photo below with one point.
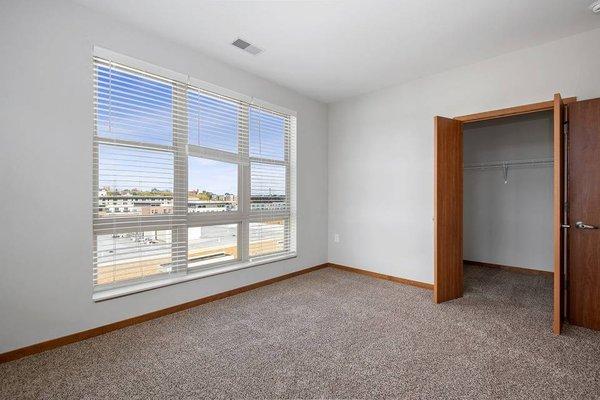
(244, 45)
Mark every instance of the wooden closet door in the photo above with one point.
(584, 214)
(448, 209)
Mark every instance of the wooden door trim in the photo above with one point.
(557, 309)
(512, 111)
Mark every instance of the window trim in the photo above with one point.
(243, 216)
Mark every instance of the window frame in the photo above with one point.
(182, 150)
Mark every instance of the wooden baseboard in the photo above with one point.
(76, 337)
(520, 270)
(377, 275)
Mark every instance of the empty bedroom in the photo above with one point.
(300, 199)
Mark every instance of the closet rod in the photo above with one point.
(505, 165)
(536, 162)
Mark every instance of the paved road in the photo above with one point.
(122, 248)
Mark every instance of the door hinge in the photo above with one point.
(566, 127)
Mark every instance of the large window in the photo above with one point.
(187, 178)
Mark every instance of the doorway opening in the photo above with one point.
(507, 211)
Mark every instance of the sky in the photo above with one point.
(213, 176)
(136, 108)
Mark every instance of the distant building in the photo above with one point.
(134, 205)
(154, 210)
(160, 205)
(268, 202)
(198, 206)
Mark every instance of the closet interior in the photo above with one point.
(508, 203)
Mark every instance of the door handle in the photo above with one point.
(581, 225)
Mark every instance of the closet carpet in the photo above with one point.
(332, 334)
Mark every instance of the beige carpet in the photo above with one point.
(332, 334)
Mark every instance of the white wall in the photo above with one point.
(46, 170)
(381, 148)
(509, 223)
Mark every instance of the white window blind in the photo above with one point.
(272, 158)
(185, 178)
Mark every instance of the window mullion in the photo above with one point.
(134, 144)
(244, 180)
(179, 248)
(213, 154)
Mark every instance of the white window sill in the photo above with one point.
(142, 287)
